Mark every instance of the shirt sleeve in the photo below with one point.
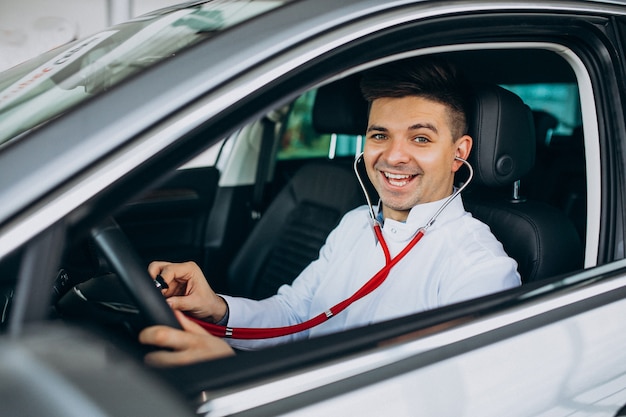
(480, 267)
(497, 274)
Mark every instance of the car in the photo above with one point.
(225, 132)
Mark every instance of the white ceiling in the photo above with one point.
(31, 27)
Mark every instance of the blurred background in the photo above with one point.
(31, 27)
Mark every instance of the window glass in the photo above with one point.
(69, 75)
(300, 140)
(559, 99)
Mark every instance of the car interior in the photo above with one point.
(251, 236)
(536, 207)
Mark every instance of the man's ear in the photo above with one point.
(463, 148)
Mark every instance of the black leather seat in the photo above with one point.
(295, 225)
(538, 236)
(293, 229)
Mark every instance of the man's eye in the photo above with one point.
(421, 139)
(378, 136)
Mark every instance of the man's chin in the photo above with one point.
(396, 210)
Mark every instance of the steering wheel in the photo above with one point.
(129, 267)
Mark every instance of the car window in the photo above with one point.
(300, 140)
(560, 100)
(72, 74)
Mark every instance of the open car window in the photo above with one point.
(212, 208)
(296, 142)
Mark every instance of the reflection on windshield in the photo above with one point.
(41, 89)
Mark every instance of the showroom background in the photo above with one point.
(30, 27)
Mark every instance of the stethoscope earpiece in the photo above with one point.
(458, 191)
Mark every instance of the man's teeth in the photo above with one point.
(397, 179)
(397, 176)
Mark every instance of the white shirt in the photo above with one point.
(457, 259)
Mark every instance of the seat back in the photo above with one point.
(538, 236)
(296, 224)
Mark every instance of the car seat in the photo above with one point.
(540, 237)
(296, 224)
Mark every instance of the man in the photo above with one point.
(417, 130)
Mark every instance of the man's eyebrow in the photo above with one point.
(417, 126)
(377, 128)
(423, 126)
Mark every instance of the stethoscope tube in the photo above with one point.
(445, 204)
(372, 284)
(367, 288)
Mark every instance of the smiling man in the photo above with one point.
(416, 136)
(410, 152)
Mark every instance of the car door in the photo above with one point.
(170, 221)
(558, 352)
(554, 347)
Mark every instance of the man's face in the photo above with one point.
(409, 153)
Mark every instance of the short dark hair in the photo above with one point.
(433, 78)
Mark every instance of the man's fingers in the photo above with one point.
(164, 277)
(163, 336)
(156, 267)
(160, 283)
(185, 347)
(179, 303)
(175, 276)
(163, 358)
(167, 337)
(189, 325)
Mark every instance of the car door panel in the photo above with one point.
(168, 223)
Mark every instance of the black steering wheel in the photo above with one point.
(129, 267)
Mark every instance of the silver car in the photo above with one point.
(225, 132)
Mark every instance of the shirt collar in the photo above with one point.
(422, 213)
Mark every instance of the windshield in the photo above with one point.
(45, 87)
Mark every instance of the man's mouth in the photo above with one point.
(398, 180)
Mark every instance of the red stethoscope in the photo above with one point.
(367, 288)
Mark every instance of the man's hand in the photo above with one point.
(189, 290)
(192, 345)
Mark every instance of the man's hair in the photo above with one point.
(432, 78)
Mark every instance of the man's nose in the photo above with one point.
(397, 152)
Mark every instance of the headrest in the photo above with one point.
(504, 136)
(340, 108)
